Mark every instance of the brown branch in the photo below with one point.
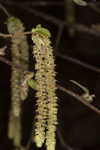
(12, 64)
(14, 35)
(42, 3)
(4, 10)
(5, 35)
(77, 61)
(79, 98)
(62, 141)
(94, 7)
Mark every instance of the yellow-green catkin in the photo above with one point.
(51, 96)
(19, 55)
(25, 64)
(45, 125)
(14, 130)
(41, 95)
(16, 26)
(15, 79)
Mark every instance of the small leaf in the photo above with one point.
(32, 83)
(80, 2)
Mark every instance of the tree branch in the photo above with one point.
(14, 35)
(79, 98)
(12, 64)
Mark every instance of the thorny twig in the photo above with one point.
(40, 3)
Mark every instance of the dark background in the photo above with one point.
(78, 125)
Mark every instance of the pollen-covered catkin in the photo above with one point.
(41, 109)
(46, 111)
(20, 43)
(19, 55)
(51, 96)
(15, 79)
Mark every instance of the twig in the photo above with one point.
(12, 64)
(94, 7)
(39, 3)
(79, 98)
(29, 142)
(77, 61)
(62, 141)
(83, 28)
(59, 34)
(14, 35)
(5, 10)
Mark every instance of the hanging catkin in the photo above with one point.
(19, 43)
(51, 96)
(41, 95)
(19, 55)
(46, 111)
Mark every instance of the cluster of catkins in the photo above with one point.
(46, 106)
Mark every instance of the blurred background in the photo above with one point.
(75, 38)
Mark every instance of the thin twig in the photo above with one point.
(89, 30)
(94, 7)
(5, 35)
(77, 61)
(59, 34)
(14, 35)
(79, 98)
(39, 3)
(12, 64)
(58, 22)
(5, 10)
(62, 141)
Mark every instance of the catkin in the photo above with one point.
(46, 111)
(41, 98)
(19, 55)
(19, 43)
